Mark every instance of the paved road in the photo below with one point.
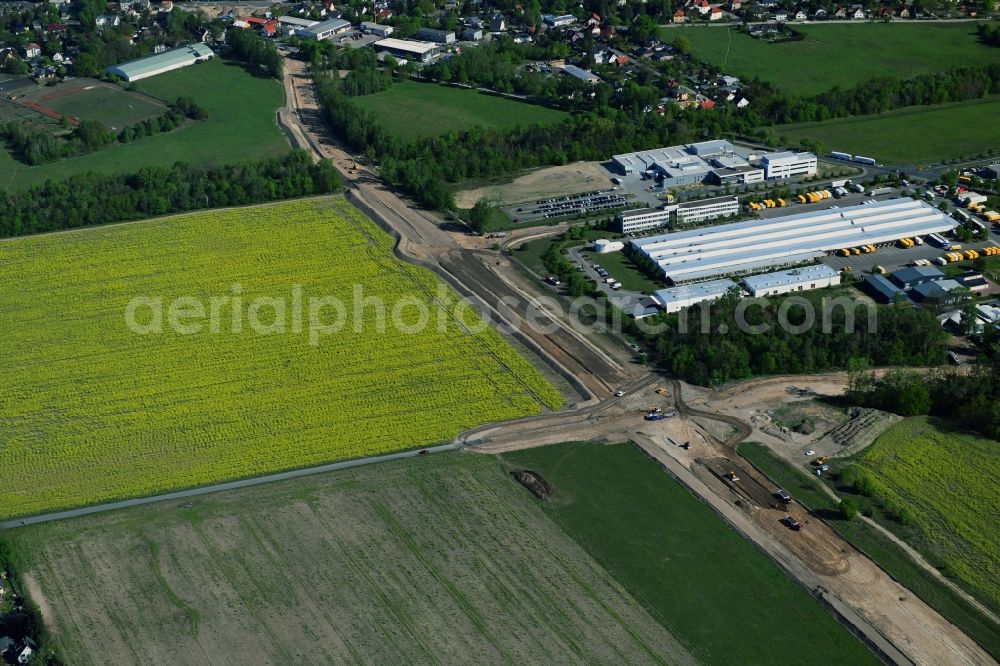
(218, 487)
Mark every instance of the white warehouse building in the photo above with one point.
(676, 299)
(804, 278)
(161, 62)
(742, 247)
(643, 219)
(326, 29)
(788, 164)
(407, 48)
(707, 209)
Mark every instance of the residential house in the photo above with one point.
(107, 20)
(904, 13)
(735, 5)
(166, 6)
(701, 6)
(714, 14)
(858, 14)
(840, 13)
(32, 50)
(497, 23)
(801, 15)
(820, 14)
(781, 16)
(679, 16)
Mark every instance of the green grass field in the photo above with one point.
(414, 110)
(949, 481)
(839, 54)
(622, 269)
(435, 560)
(887, 554)
(704, 582)
(911, 136)
(93, 411)
(88, 99)
(242, 127)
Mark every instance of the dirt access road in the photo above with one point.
(895, 622)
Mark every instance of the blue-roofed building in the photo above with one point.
(936, 292)
(908, 278)
(883, 290)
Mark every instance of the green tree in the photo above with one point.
(848, 509)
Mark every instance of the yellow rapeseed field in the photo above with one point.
(114, 388)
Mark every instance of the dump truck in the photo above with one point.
(662, 390)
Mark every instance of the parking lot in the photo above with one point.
(571, 204)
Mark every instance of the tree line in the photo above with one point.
(426, 167)
(92, 199)
(256, 50)
(970, 400)
(720, 349)
(38, 146)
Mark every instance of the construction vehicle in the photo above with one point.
(732, 476)
(822, 460)
(662, 390)
(792, 523)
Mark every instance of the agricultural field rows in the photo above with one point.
(949, 481)
(93, 411)
(443, 559)
(714, 590)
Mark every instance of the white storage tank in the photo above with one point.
(603, 246)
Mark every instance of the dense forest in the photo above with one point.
(91, 199)
(721, 349)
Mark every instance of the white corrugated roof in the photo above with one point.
(789, 277)
(742, 246)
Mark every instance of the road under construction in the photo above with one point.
(897, 624)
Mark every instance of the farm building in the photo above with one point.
(707, 209)
(326, 29)
(676, 299)
(162, 62)
(883, 290)
(816, 276)
(436, 36)
(407, 48)
(742, 247)
(643, 219)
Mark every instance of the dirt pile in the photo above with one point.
(534, 482)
